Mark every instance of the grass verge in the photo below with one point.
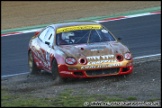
(64, 99)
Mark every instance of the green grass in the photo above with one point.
(154, 99)
(131, 98)
(64, 99)
(14, 100)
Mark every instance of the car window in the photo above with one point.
(105, 35)
(49, 36)
(94, 37)
(42, 34)
(83, 35)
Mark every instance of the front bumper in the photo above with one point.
(92, 73)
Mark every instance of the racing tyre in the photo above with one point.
(32, 66)
(55, 74)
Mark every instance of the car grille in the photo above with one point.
(102, 72)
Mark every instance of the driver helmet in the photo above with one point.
(66, 35)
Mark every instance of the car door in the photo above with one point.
(37, 48)
(46, 47)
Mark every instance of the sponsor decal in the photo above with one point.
(94, 50)
(83, 27)
(65, 72)
(100, 57)
(100, 62)
(102, 66)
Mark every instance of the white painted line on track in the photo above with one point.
(29, 31)
(128, 16)
(10, 34)
(21, 32)
(146, 56)
(138, 15)
(5, 76)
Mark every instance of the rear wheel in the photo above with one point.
(32, 66)
(55, 73)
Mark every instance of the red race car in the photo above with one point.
(78, 50)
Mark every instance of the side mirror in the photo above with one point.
(119, 39)
(47, 43)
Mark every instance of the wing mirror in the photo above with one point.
(119, 39)
(47, 43)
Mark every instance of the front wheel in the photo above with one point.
(55, 73)
(32, 66)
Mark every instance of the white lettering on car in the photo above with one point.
(99, 57)
(102, 66)
(100, 62)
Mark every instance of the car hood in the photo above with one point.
(94, 49)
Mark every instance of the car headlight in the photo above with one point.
(128, 56)
(70, 60)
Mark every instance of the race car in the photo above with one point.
(78, 50)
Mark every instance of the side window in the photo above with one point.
(42, 34)
(49, 36)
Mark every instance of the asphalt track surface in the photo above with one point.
(142, 35)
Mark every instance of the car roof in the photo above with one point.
(59, 25)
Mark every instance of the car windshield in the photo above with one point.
(83, 36)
